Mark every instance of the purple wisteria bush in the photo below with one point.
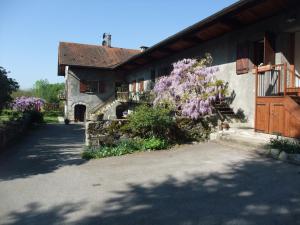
(191, 88)
(28, 104)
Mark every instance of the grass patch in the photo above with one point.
(9, 115)
(126, 147)
(50, 119)
(287, 145)
(51, 116)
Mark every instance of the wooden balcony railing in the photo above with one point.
(62, 96)
(276, 80)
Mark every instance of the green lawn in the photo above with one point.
(50, 119)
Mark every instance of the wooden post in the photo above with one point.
(279, 81)
(285, 78)
(292, 71)
(256, 94)
(256, 81)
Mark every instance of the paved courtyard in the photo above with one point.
(43, 180)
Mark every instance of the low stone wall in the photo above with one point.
(103, 132)
(11, 130)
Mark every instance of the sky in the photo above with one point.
(30, 30)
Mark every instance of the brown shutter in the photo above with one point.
(141, 85)
(242, 58)
(134, 86)
(269, 52)
(83, 86)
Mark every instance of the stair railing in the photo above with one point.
(102, 105)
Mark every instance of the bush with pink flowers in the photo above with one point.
(25, 104)
(191, 88)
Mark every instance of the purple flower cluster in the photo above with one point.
(28, 104)
(191, 88)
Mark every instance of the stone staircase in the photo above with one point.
(224, 111)
(107, 109)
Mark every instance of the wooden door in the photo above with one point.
(262, 117)
(277, 120)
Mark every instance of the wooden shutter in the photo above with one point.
(142, 85)
(242, 58)
(82, 86)
(269, 51)
(134, 86)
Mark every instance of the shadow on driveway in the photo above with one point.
(42, 151)
(252, 192)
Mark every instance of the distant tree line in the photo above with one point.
(7, 87)
(43, 89)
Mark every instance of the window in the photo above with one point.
(83, 86)
(264, 50)
(164, 71)
(258, 56)
(141, 85)
(153, 75)
(134, 86)
(92, 86)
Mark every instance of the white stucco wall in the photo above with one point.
(223, 51)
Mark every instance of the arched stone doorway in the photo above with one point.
(79, 113)
(119, 111)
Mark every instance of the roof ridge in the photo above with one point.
(94, 45)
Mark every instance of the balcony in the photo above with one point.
(62, 96)
(123, 96)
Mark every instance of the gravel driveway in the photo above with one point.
(43, 180)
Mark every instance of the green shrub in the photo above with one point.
(35, 116)
(125, 147)
(286, 145)
(155, 144)
(147, 121)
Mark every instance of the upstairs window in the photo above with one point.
(90, 86)
(258, 56)
(141, 85)
(134, 86)
(153, 75)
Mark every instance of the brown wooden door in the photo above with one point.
(262, 117)
(277, 120)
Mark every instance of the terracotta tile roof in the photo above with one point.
(96, 56)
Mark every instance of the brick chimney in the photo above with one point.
(106, 40)
(143, 48)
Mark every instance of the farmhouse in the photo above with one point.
(255, 44)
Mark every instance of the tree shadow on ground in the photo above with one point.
(43, 150)
(253, 192)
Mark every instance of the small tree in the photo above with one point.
(191, 88)
(7, 86)
(49, 92)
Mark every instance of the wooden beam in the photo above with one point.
(192, 39)
(232, 23)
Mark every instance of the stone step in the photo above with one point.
(244, 137)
